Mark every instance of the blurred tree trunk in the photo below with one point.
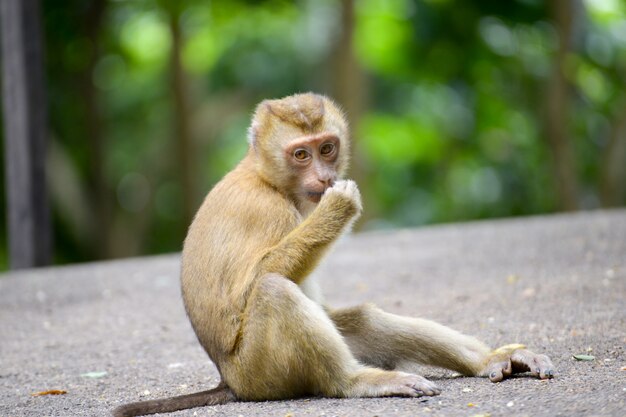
(25, 134)
(182, 131)
(613, 165)
(348, 80)
(563, 160)
(349, 89)
(100, 193)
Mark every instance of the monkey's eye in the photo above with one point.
(327, 149)
(301, 155)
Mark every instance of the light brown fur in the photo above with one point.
(256, 238)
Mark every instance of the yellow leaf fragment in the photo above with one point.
(512, 279)
(49, 392)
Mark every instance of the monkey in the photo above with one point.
(245, 281)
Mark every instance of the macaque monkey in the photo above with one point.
(245, 263)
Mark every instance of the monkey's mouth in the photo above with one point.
(314, 196)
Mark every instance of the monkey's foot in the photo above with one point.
(412, 386)
(515, 359)
(396, 384)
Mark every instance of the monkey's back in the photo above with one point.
(240, 219)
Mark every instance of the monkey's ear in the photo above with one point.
(259, 123)
(252, 134)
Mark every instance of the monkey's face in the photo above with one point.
(296, 143)
(312, 161)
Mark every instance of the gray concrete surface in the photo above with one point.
(109, 333)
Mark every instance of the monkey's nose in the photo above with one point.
(328, 182)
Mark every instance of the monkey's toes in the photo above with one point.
(429, 391)
(410, 385)
(423, 387)
(541, 366)
(500, 370)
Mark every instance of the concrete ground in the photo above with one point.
(114, 332)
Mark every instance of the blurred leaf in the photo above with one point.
(94, 375)
(145, 37)
(392, 140)
(584, 357)
(382, 33)
(50, 392)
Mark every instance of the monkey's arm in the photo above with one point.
(298, 253)
(389, 341)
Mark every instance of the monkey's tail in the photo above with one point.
(218, 395)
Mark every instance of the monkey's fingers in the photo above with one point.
(541, 366)
(346, 189)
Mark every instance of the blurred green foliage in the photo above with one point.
(452, 124)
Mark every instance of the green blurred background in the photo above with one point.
(460, 109)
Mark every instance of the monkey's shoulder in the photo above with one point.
(242, 203)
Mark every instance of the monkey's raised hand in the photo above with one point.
(345, 196)
(514, 359)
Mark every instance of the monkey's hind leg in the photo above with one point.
(290, 348)
(386, 340)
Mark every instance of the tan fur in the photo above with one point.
(258, 236)
(389, 341)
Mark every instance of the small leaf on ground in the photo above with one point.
(512, 279)
(49, 392)
(584, 357)
(99, 374)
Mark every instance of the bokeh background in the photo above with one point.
(460, 109)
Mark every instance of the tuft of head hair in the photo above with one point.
(304, 112)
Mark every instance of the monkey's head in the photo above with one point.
(300, 144)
